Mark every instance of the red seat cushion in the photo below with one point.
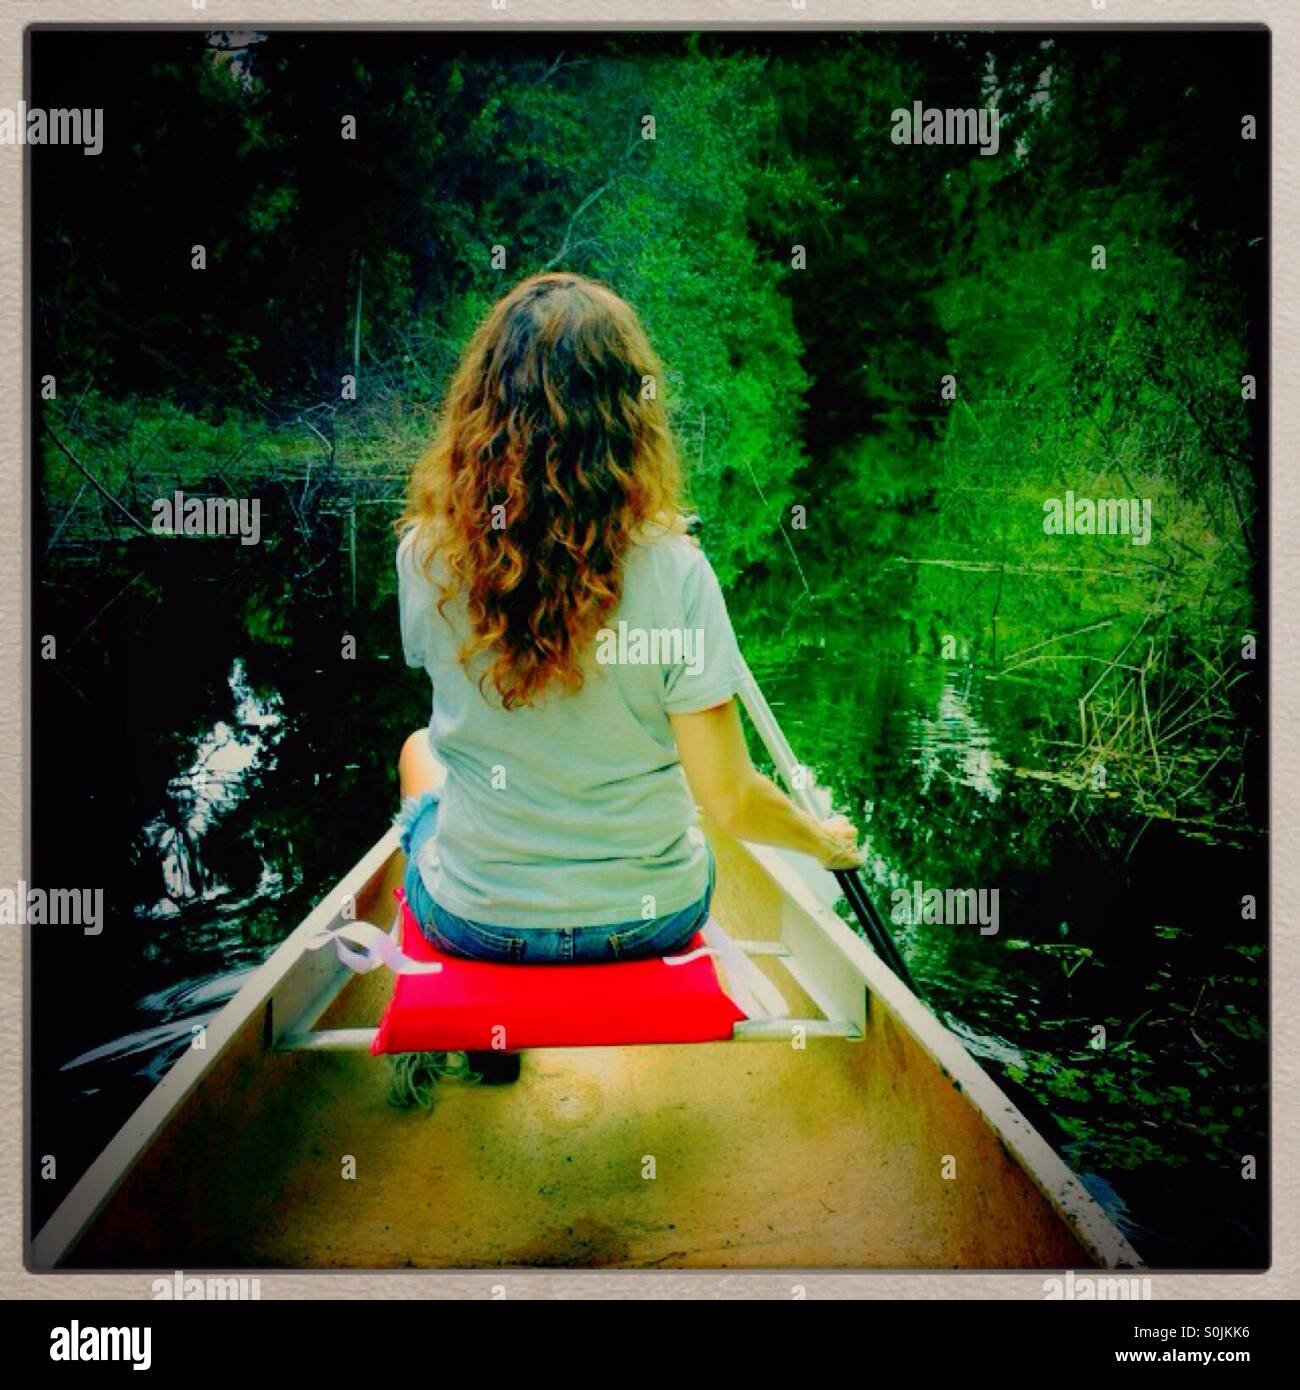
(462, 1006)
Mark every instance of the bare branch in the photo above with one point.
(97, 485)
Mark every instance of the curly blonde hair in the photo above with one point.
(553, 448)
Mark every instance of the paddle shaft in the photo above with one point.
(849, 880)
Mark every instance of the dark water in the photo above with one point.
(206, 750)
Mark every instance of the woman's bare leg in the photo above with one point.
(421, 772)
(417, 768)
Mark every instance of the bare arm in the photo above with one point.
(746, 804)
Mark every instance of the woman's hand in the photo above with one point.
(839, 844)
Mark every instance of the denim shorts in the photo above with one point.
(635, 940)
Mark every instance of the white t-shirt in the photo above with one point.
(574, 811)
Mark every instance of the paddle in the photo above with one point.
(779, 750)
(849, 880)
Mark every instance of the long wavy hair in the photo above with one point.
(553, 449)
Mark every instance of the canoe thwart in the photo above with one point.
(329, 1040)
(751, 1030)
(786, 1029)
(474, 1005)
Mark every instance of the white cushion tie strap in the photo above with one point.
(378, 948)
(746, 985)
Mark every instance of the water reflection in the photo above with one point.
(952, 743)
(184, 1007)
(226, 762)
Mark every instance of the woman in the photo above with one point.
(580, 652)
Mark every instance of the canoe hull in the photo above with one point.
(895, 1151)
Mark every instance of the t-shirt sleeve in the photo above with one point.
(712, 669)
(415, 601)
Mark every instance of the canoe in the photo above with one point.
(879, 1143)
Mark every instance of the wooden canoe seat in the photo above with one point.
(443, 1003)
